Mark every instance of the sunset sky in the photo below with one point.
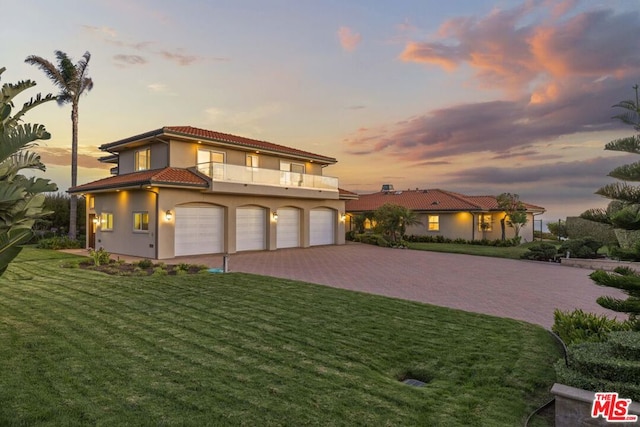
(479, 97)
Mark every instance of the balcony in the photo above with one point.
(282, 183)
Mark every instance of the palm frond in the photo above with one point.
(27, 160)
(66, 68)
(49, 69)
(630, 172)
(35, 185)
(620, 191)
(32, 103)
(20, 137)
(596, 215)
(10, 193)
(11, 90)
(9, 248)
(630, 144)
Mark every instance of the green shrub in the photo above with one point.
(350, 236)
(578, 326)
(585, 381)
(586, 247)
(59, 242)
(609, 365)
(372, 239)
(626, 344)
(578, 228)
(598, 360)
(483, 242)
(159, 271)
(100, 257)
(541, 252)
(145, 263)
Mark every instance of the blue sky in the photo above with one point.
(479, 97)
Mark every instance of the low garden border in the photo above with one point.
(599, 264)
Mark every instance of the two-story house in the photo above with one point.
(180, 190)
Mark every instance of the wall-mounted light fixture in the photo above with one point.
(343, 216)
(168, 215)
(96, 220)
(275, 216)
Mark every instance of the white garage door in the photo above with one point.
(288, 228)
(199, 230)
(321, 227)
(251, 229)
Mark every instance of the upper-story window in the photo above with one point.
(252, 161)
(211, 163)
(143, 159)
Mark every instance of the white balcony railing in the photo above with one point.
(248, 175)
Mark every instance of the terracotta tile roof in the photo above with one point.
(346, 194)
(427, 200)
(159, 177)
(210, 135)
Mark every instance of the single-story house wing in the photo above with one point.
(445, 213)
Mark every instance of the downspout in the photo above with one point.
(155, 244)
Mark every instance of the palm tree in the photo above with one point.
(21, 199)
(72, 80)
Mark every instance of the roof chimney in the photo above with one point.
(387, 188)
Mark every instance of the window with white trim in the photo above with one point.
(252, 161)
(141, 221)
(106, 221)
(291, 173)
(143, 159)
(211, 163)
(433, 222)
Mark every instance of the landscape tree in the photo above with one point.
(515, 215)
(623, 213)
(628, 281)
(72, 81)
(558, 229)
(58, 221)
(21, 198)
(393, 220)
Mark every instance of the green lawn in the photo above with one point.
(80, 347)
(492, 251)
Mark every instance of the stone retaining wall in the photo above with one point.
(573, 408)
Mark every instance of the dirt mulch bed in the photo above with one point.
(142, 268)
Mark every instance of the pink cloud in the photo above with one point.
(509, 55)
(349, 40)
(62, 157)
(560, 72)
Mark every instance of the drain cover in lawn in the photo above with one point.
(415, 383)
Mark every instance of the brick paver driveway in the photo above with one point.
(525, 290)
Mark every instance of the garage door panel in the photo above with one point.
(199, 230)
(251, 229)
(288, 228)
(322, 227)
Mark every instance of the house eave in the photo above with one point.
(144, 138)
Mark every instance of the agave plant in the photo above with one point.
(21, 198)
